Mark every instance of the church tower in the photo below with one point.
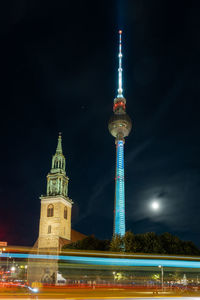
(56, 206)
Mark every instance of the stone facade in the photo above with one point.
(56, 226)
(56, 206)
(55, 221)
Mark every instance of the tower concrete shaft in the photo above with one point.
(119, 126)
(119, 213)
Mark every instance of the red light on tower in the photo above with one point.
(120, 31)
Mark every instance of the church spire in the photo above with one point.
(58, 160)
(59, 146)
(120, 89)
(57, 181)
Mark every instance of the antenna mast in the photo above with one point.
(120, 90)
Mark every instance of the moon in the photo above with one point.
(155, 205)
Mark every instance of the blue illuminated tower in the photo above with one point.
(119, 126)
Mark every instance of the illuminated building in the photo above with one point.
(55, 220)
(55, 216)
(119, 126)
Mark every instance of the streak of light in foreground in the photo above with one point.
(162, 298)
(110, 261)
(125, 298)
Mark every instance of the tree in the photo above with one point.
(89, 243)
(151, 243)
(189, 248)
(170, 243)
(129, 242)
(117, 243)
(148, 242)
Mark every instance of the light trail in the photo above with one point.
(153, 256)
(110, 261)
(102, 253)
(113, 298)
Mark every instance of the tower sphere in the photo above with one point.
(120, 123)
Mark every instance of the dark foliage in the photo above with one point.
(89, 243)
(149, 242)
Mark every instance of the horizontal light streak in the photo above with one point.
(153, 256)
(110, 261)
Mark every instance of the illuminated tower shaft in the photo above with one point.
(119, 126)
(119, 213)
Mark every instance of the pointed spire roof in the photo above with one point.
(58, 159)
(120, 89)
(59, 146)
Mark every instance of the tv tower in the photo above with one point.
(119, 126)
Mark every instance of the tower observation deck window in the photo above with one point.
(65, 212)
(50, 209)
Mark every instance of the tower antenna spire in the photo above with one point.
(120, 90)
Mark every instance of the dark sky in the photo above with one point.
(58, 66)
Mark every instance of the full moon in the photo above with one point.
(155, 205)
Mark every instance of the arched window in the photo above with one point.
(49, 229)
(65, 212)
(56, 163)
(50, 210)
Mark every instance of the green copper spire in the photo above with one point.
(59, 146)
(57, 181)
(58, 160)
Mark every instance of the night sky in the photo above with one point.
(58, 66)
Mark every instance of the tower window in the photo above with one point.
(65, 212)
(49, 229)
(50, 210)
(56, 163)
